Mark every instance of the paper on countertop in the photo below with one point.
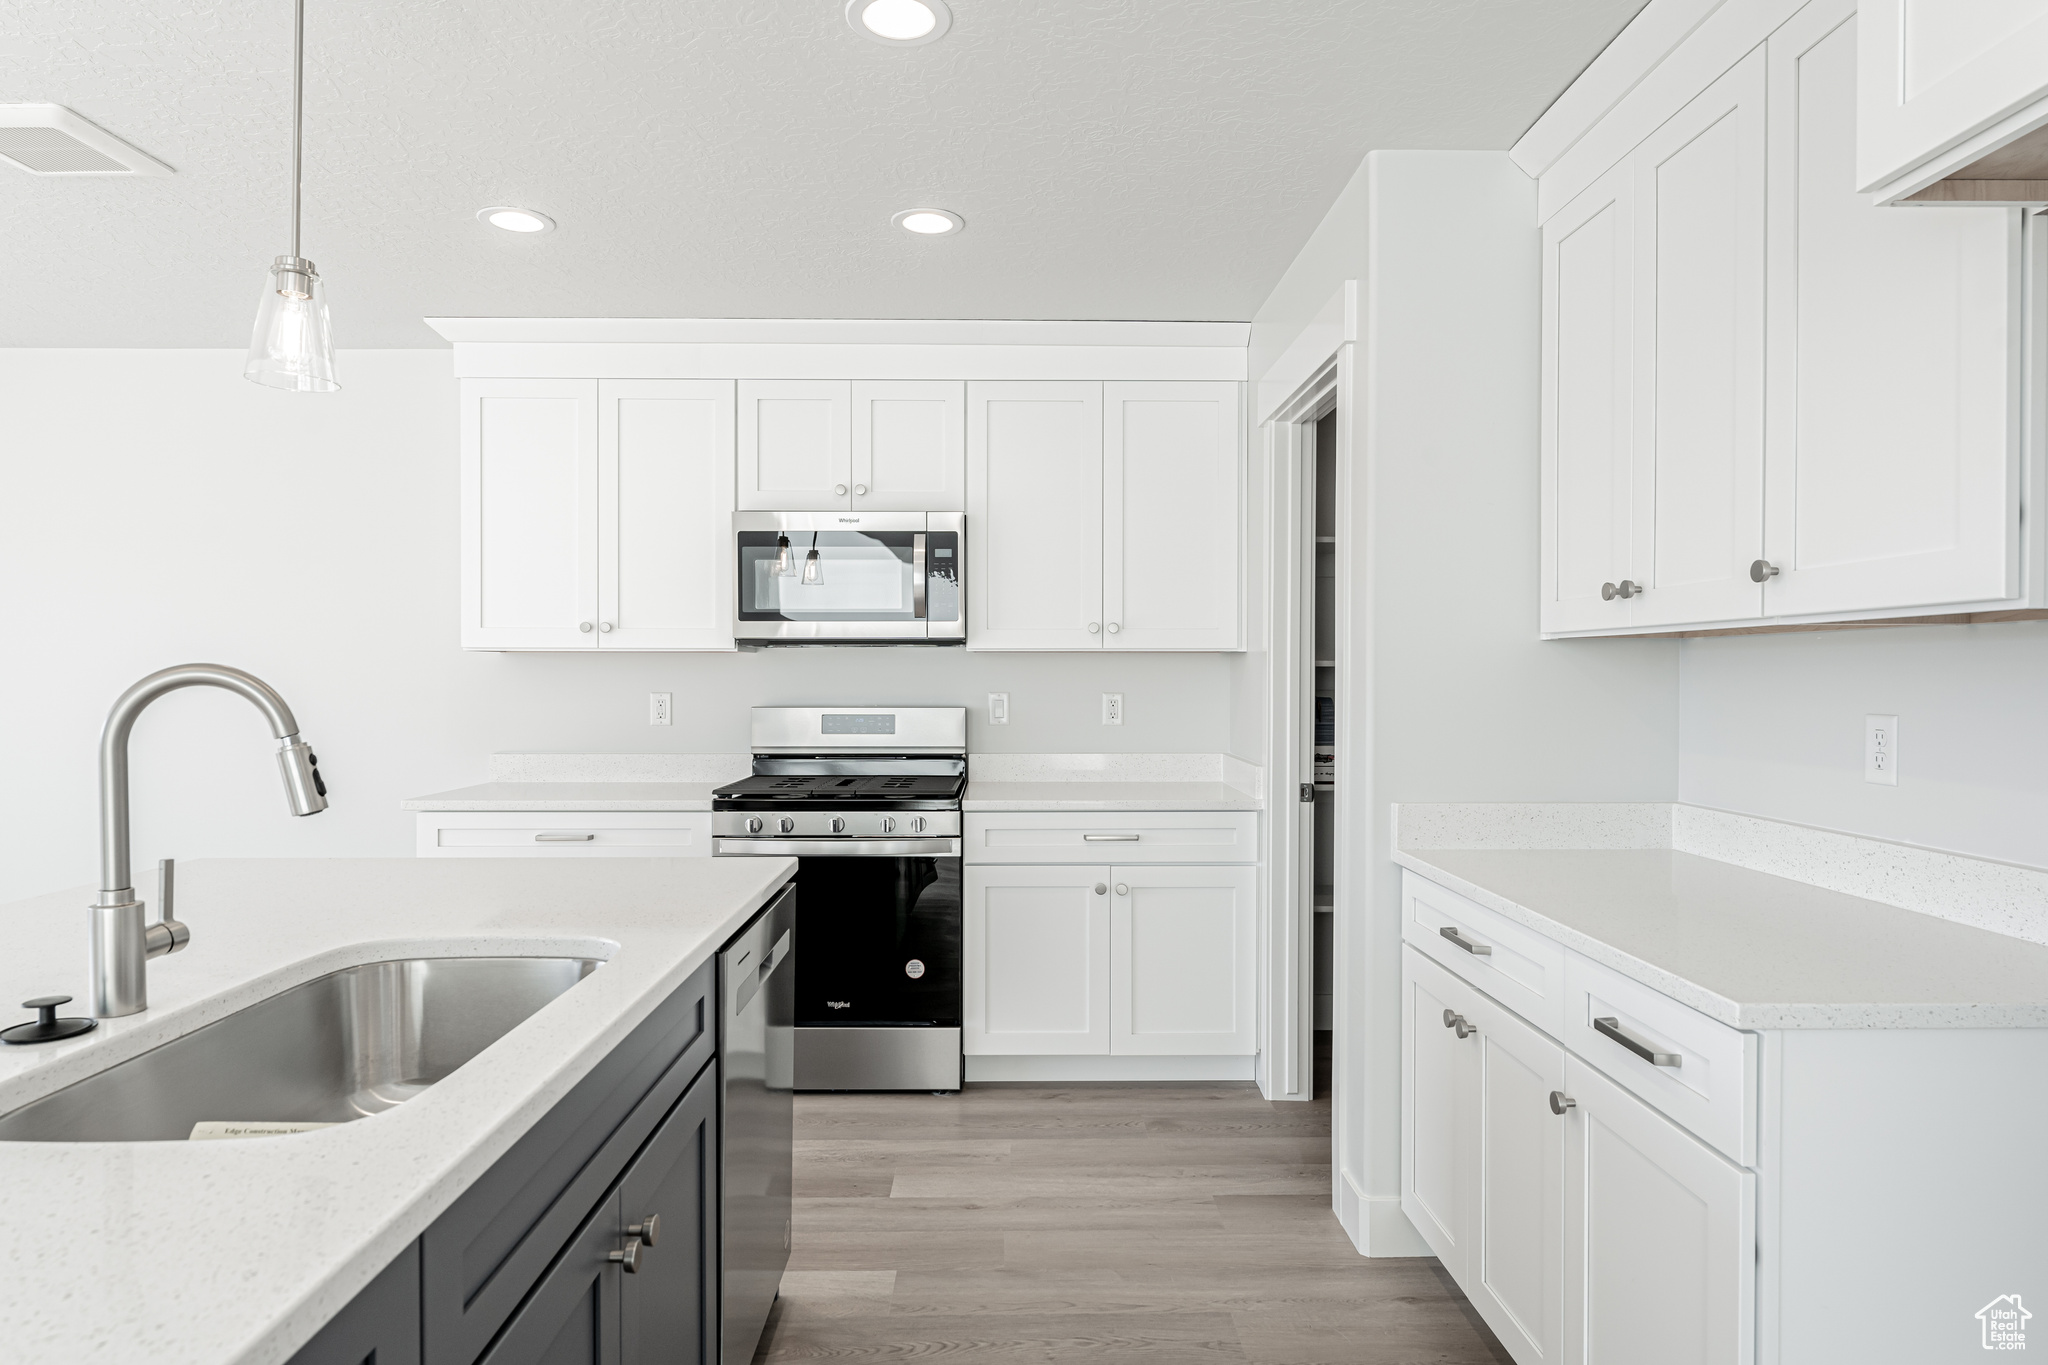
(216, 1130)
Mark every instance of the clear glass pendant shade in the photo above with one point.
(785, 563)
(292, 347)
(814, 568)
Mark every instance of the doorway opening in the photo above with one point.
(1319, 640)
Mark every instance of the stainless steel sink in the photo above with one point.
(340, 1047)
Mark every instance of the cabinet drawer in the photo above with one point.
(1706, 1081)
(1112, 837)
(583, 834)
(1515, 965)
(481, 1257)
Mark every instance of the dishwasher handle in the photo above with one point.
(750, 984)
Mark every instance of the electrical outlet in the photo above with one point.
(999, 708)
(1112, 708)
(1881, 750)
(661, 709)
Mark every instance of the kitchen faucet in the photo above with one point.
(121, 942)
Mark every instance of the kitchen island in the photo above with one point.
(237, 1253)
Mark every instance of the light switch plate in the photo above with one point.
(999, 708)
(1881, 750)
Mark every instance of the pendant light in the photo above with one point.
(292, 347)
(785, 565)
(814, 568)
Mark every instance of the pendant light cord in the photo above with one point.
(298, 107)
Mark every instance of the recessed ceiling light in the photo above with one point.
(929, 222)
(900, 23)
(515, 220)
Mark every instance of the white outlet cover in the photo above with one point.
(1881, 750)
(1112, 708)
(661, 708)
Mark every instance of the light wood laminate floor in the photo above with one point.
(1092, 1223)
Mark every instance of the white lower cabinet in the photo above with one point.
(570, 834)
(1109, 960)
(1660, 1237)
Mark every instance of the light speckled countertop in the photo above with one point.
(235, 1253)
(569, 796)
(1754, 950)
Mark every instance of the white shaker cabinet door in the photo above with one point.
(1516, 1276)
(529, 514)
(1172, 478)
(1439, 1109)
(1660, 1237)
(1181, 954)
(1894, 414)
(909, 445)
(795, 445)
(1936, 73)
(1037, 956)
(1698, 343)
(1034, 515)
(665, 500)
(1587, 406)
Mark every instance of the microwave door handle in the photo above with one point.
(917, 576)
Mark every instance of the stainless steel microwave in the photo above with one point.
(851, 577)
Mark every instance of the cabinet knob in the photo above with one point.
(839, 489)
(1559, 1102)
(1453, 1019)
(605, 626)
(1101, 888)
(1114, 627)
(1123, 889)
(583, 626)
(628, 1256)
(1624, 590)
(648, 1231)
(1762, 570)
(1094, 626)
(860, 490)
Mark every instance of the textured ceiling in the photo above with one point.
(1113, 158)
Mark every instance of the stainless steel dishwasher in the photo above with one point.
(757, 1063)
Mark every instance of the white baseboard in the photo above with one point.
(1057, 1069)
(1375, 1222)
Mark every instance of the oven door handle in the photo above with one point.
(917, 576)
(836, 848)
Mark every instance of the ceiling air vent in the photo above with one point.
(48, 139)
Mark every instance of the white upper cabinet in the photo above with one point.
(1699, 356)
(1894, 437)
(1171, 478)
(1034, 515)
(826, 445)
(1587, 405)
(909, 446)
(529, 514)
(795, 445)
(597, 514)
(1945, 83)
(665, 496)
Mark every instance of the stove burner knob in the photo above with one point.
(785, 824)
(753, 824)
(838, 825)
(917, 824)
(888, 824)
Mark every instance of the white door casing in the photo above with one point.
(529, 513)
(1034, 515)
(1181, 955)
(665, 501)
(795, 450)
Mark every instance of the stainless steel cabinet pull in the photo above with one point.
(1110, 838)
(1624, 590)
(1102, 888)
(1094, 626)
(628, 1257)
(1452, 1019)
(1761, 570)
(650, 1231)
(1559, 1102)
(838, 490)
(605, 627)
(563, 838)
(1114, 627)
(583, 626)
(1123, 889)
(1472, 946)
(1611, 1028)
(860, 490)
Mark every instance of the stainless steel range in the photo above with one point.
(867, 800)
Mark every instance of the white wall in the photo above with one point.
(1446, 693)
(157, 509)
(1772, 725)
